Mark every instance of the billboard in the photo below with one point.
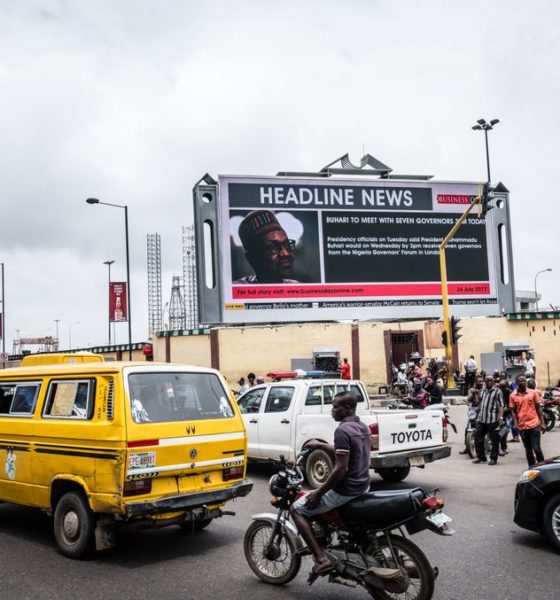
(308, 249)
(118, 305)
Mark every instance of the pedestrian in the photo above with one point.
(243, 387)
(489, 419)
(506, 393)
(251, 379)
(528, 418)
(345, 369)
(470, 372)
(530, 366)
(473, 400)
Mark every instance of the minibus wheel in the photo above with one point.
(74, 525)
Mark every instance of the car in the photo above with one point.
(537, 500)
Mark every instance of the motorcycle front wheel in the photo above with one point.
(275, 562)
(411, 559)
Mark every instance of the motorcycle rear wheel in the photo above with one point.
(282, 564)
(411, 558)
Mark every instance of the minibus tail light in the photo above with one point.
(138, 487)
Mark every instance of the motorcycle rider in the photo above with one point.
(348, 479)
(434, 390)
(419, 398)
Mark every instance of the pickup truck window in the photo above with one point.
(251, 401)
(279, 399)
(355, 389)
(328, 394)
(314, 396)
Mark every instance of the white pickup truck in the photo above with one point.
(281, 417)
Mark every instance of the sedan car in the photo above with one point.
(537, 500)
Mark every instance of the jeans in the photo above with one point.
(480, 433)
(532, 442)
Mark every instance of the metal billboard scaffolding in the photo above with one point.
(153, 251)
(189, 277)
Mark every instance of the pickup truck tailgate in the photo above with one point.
(410, 430)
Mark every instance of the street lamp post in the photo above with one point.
(57, 321)
(481, 124)
(536, 296)
(70, 333)
(128, 294)
(109, 263)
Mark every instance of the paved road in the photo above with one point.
(488, 557)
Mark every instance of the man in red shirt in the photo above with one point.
(345, 369)
(528, 418)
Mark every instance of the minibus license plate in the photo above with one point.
(141, 460)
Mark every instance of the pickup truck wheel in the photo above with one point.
(318, 467)
(394, 474)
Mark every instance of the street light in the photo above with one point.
(109, 263)
(96, 201)
(481, 124)
(57, 321)
(536, 297)
(70, 333)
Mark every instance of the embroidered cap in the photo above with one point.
(256, 224)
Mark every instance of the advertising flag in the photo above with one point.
(117, 301)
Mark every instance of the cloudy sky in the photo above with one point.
(132, 101)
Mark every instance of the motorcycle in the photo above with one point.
(472, 414)
(360, 538)
(550, 409)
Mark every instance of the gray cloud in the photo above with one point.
(132, 101)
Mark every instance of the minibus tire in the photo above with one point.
(74, 525)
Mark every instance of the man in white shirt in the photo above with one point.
(470, 372)
(530, 367)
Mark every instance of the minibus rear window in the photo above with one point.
(169, 397)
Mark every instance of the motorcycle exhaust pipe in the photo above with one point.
(363, 572)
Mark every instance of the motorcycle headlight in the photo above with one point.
(277, 484)
(528, 475)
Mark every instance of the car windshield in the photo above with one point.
(169, 397)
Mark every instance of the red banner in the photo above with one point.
(117, 301)
(247, 292)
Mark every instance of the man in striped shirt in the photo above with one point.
(490, 417)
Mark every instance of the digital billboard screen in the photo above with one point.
(324, 249)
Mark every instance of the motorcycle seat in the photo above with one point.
(383, 508)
